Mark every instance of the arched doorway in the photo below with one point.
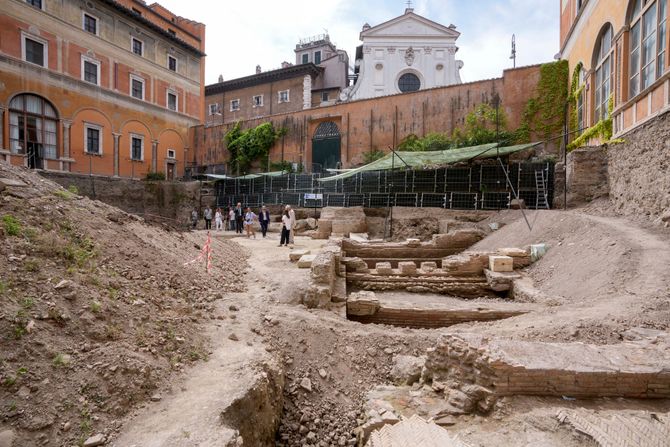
(326, 147)
(33, 125)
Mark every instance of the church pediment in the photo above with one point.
(408, 25)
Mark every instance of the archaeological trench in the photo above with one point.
(459, 328)
(459, 387)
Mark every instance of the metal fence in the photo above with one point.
(474, 187)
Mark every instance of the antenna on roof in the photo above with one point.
(513, 56)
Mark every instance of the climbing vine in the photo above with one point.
(251, 145)
(601, 130)
(544, 114)
(575, 92)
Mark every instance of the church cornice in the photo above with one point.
(448, 31)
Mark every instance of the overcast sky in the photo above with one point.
(243, 34)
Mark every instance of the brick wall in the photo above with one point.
(378, 123)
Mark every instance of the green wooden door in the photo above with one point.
(326, 147)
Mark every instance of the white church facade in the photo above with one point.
(405, 54)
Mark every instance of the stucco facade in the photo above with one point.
(406, 53)
(84, 83)
(622, 45)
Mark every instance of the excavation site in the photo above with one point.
(431, 327)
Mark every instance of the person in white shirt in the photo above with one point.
(291, 215)
(218, 220)
(286, 229)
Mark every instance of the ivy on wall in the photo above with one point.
(544, 114)
(575, 92)
(601, 130)
(251, 145)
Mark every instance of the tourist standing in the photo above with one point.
(218, 220)
(249, 218)
(285, 229)
(231, 219)
(194, 218)
(207, 214)
(239, 218)
(264, 219)
(291, 215)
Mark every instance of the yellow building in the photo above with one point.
(621, 46)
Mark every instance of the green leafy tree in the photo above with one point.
(372, 155)
(251, 145)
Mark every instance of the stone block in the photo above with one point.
(517, 204)
(428, 266)
(318, 295)
(360, 237)
(513, 252)
(407, 268)
(501, 264)
(406, 369)
(500, 281)
(339, 292)
(305, 261)
(413, 242)
(362, 303)
(384, 268)
(355, 264)
(323, 268)
(466, 264)
(537, 251)
(295, 255)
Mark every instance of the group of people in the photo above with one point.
(242, 220)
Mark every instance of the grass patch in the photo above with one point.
(9, 381)
(64, 194)
(73, 189)
(95, 307)
(11, 225)
(3, 287)
(28, 303)
(61, 360)
(31, 265)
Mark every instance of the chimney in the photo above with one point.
(258, 69)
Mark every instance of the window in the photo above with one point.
(647, 43)
(172, 101)
(90, 24)
(283, 96)
(33, 124)
(90, 70)
(604, 62)
(137, 46)
(171, 153)
(136, 87)
(580, 103)
(305, 58)
(257, 101)
(214, 109)
(317, 57)
(136, 147)
(324, 96)
(234, 105)
(93, 138)
(172, 63)
(35, 50)
(35, 3)
(409, 82)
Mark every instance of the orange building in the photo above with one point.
(102, 87)
(622, 47)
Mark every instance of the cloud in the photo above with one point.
(241, 35)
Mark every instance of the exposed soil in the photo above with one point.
(119, 348)
(98, 310)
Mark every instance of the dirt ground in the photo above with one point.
(148, 352)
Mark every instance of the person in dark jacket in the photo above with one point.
(239, 218)
(264, 220)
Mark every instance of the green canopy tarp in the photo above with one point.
(404, 159)
(248, 176)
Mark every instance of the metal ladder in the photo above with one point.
(541, 201)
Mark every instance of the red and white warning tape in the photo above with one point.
(205, 253)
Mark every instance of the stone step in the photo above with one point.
(305, 261)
